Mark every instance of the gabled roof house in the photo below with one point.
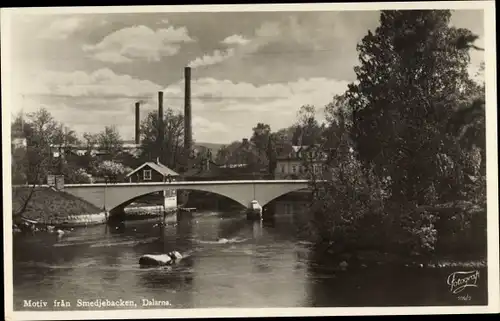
(151, 172)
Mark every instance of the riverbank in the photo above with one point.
(48, 206)
(368, 259)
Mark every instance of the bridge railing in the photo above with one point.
(195, 183)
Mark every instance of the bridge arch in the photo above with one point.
(111, 196)
(129, 201)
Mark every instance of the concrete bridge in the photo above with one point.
(112, 196)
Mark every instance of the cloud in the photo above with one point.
(225, 101)
(102, 83)
(268, 33)
(204, 126)
(62, 28)
(139, 43)
(85, 101)
(210, 89)
(214, 58)
(238, 44)
(268, 29)
(235, 40)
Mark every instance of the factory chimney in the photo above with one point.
(187, 110)
(160, 125)
(137, 124)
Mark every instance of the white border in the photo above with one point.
(492, 162)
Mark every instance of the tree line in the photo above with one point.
(50, 147)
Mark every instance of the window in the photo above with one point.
(294, 169)
(147, 174)
(282, 168)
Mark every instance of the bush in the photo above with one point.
(112, 170)
(76, 176)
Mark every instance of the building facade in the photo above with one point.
(299, 162)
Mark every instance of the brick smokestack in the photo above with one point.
(187, 110)
(137, 124)
(160, 125)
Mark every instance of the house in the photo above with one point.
(298, 162)
(156, 172)
(151, 172)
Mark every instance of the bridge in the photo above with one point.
(117, 195)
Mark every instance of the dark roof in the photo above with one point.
(158, 167)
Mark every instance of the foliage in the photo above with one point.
(73, 175)
(308, 131)
(410, 131)
(173, 140)
(411, 80)
(109, 141)
(112, 171)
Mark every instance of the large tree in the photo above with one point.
(308, 131)
(65, 139)
(260, 137)
(173, 139)
(110, 141)
(412, 78)
(41, 131)
(32, 162)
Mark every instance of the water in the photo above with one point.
(257, 265)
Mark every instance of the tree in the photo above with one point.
(18, 151)
(260, 137)
(112, 171)
(308, 130)
(173, 140)
(87, 161)
(41, 132)
(32, 163)
(401, 136)
(110, 141)
(65, 139)
(412, 77)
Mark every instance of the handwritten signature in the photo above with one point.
(460, 280)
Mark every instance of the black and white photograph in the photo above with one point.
(301, 159)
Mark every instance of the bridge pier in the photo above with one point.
(116, 215)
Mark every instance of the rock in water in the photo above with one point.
(60, 232)
(343, 265)
(175, 256)
(155, 260)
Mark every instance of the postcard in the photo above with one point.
(250, 160)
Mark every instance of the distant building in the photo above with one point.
(80, 149)
(19, 142)
(299, 162)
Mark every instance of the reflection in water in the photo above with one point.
(228, 262)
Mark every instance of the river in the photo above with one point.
(262, 264)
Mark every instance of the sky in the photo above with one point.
(88, 70)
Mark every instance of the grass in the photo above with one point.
(48, 204)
